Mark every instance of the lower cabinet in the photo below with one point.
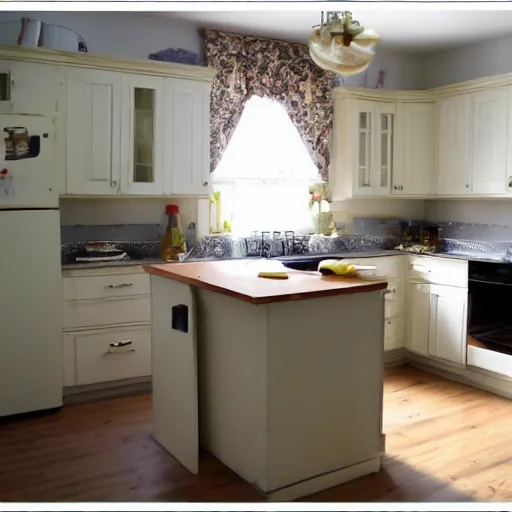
(107, 327)
(437, 313)
(447, 326)
(418, 317)
(109, 355)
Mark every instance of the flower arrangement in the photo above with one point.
(320, 208)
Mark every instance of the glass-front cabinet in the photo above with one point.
(143, 135)
(374, 148)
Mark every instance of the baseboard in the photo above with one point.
(105, 390)
(395, 357)
(470, 376)
(326, 481)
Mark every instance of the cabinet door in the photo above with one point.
(489, 136)
(447, 330)
(384, 148)
(93, 128)
(413, 172)
(364, 112)
(453, 143)
(188, 136)
(142, 137)
(418, 315)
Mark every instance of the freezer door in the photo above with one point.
(31, 180)
(31, 367)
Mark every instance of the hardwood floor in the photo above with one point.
(445, 442)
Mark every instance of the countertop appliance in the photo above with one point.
(31, 367)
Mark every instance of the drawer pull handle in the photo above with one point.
(420, 268)
(117, 347)
(389, 290)
(120, 285)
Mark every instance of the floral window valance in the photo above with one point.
(248, 66)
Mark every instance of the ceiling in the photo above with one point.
(419, 31)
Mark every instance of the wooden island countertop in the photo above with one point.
(239, 279)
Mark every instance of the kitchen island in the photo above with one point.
(281, 380)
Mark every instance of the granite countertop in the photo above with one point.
(370, 253)
(104, 264)
(239, 279)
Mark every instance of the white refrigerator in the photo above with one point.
(31, 366)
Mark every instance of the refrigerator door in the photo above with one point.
(29, 178)
(31, 366)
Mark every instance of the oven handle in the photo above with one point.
(471, 280)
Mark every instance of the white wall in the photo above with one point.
(120, 33)
(491, 211)
(124, 211)
(474, 61)
(404, 71)
(345, 211)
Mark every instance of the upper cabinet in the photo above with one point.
(122, 126)
(413, 172)
(93, 132)
(489, 141)
(372, 150)
(473, 144)
(453, 133)
(381, 148)
(143, 136)
(188, 130)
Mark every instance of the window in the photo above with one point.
(265, 172)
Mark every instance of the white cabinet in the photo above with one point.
(418, 315)
(447, 329)
(93, 132)
(436, 308)
(473, 144)
(374, 147)
(362, 148)
(187, 150)
(106, 326)
(413, 173)
(143, 135)
(453, 135)
(489, 139)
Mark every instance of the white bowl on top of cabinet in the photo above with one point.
(106, 326)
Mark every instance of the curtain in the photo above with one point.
(248, 66)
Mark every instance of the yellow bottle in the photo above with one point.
(172, 244)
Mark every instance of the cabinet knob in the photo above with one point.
(467, 186)
(205, 183)
(113, 183)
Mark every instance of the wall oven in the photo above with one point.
(489, 335)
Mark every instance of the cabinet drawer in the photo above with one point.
(107, 312)
(97, 360)
(394, 333)
(438, 271)
(387, 266)
(103, 287)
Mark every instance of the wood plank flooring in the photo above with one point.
(445, 442)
